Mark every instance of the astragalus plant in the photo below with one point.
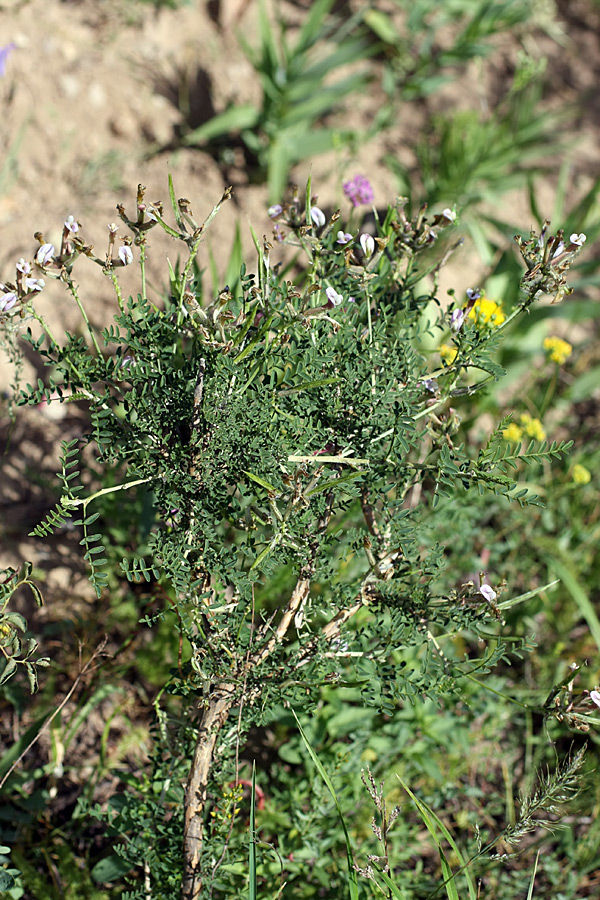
(296, 440)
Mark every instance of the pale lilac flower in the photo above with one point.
(449, 214)
(334, 298)
(578, 239)
(343, 237)
(559, 249)
(351, 299)
(152, 213)
(4, 54)
(275, 210)
(595, 697)
(359, 191)
(45, 254)
(7, 301)
(367, 242)
(71, 225)
(318, 216)
(126, 255)
(430, 384)
(473, 293)
(35, 284)
(23, 267)
(456, 319)
(489, 593)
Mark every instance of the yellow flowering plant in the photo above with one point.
(557, 350)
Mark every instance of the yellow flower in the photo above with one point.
(448, 353)
(486, 312)
(558, 350)
(581, 475)
(533, 428)
(512, 433)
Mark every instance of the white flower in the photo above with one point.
(35, 284)
(334, 298)
(449, 214)
(559, 249)
(71, 224)
(457, 319)
(318, 216)
(489, 593)
(367, 242)
(595, 697)
(23, 267)
(578, 239)
(112, 228)
(126, 255)
(7, 301)
(45, 254)
(343, 237)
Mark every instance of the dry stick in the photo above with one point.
(213, 719)
(62, 704)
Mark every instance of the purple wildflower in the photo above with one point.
(45, 254)
(456, 319)
(473, 294)
(7, 301)
(343, 237)
(4, 54)
(359, 191)
(488, 592)
(35, 284)
(274, 211)
(71, 224)
(332, 295)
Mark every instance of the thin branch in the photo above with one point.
(61, 706)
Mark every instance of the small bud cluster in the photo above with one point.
(548, 259)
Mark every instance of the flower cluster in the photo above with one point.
(558, 351)
(529, 427)
(486, 312)
(581, 475)
(359, 191)
(548, 259)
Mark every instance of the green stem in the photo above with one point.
(75, 295)
(113, 277)
(71, 502)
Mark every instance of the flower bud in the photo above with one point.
(367, 242)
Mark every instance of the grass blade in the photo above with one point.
(252, 844)
(352, 876)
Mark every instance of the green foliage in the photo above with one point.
(437, 40)
(297, 91)
(302, 467)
